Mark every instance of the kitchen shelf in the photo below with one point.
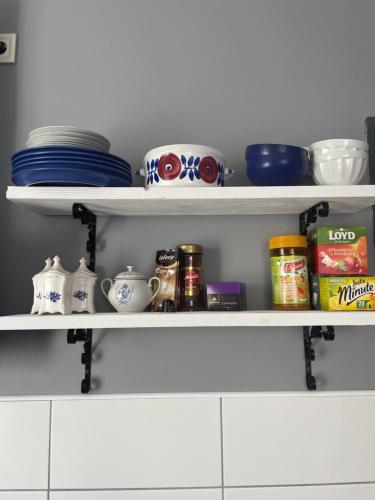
(86, 203)
(246, 200)
(187, 320)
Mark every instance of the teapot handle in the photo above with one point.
(154, 278)
(102, 286)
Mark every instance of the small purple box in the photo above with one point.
(225, 296)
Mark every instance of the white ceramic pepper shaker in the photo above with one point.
(38, 286)
(56, 289)
(83, 284)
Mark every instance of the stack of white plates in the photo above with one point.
(338, 161)
(67, 136)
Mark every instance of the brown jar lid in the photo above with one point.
(190, 248)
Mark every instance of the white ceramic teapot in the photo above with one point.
(130, 292)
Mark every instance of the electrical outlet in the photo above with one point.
(7, 47)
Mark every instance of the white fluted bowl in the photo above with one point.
(339, 169)
(336, 145)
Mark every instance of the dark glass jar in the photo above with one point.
(191, 277)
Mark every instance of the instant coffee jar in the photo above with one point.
(191, 273)
(290, 283)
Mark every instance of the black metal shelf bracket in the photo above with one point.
(311, 215)
(306, 218)
(85, 335)
(88, 219)
(310, 334)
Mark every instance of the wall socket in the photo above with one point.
(8, 47)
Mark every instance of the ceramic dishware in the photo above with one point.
(184, 165)
(57, 291)
(66, 135)
(272, 149)
(276, 164)
(56, 165)
(331, 145)
(82, 293)
(340, 169)
(56, 284)
(130, 292)
(38, 286)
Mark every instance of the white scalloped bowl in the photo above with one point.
(335, 145)
(339, 170)
(184, 165)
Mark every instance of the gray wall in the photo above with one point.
(147, 73)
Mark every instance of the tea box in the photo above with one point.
(338, 250)
(225, 296)
(343, 293)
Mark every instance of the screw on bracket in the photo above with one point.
(310, 216)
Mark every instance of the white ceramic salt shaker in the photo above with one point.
(83, 284)
(56, 289)
(38, 286)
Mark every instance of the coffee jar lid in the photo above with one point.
(190, 248)
(130, 274)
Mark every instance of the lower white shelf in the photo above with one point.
(187, 320)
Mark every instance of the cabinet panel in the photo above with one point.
(24, 443)
(209, 494)
(135, 443)
(307, 439)
(334, 492)
(23, 495)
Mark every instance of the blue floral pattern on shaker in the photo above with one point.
(80, 295)
(53, 296)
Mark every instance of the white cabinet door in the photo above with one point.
(214, 494)
(298, 439)
(24, 444)
(334, 492)
(135, 443)
(23, 495)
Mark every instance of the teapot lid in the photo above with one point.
(130, 274)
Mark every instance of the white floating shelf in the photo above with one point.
(187, 320)
(244, 200)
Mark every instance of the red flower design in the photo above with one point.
(169, 166)
(208, 169)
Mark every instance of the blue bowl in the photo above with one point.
(272, 149)
(277, 169)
